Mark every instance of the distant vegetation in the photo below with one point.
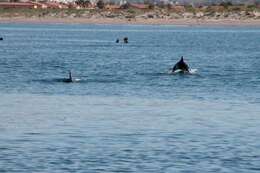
(127, 11)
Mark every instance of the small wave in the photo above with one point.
(44, 80)
(104, 80)
(153, 74)
(193, 71)
(76, 80)
(55, 80)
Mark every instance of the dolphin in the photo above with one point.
(68, 80)
(126, 40)
(180, 66)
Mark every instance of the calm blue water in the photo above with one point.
(128, 114)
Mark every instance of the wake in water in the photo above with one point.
(77, 80)
(70, 79)
(190, 72)
(170, 72)
(58, 80)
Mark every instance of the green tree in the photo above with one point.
(226, 4)
(100, 4)
(150, 4)
(125, 6)
(83, 3)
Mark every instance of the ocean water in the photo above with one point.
(127, 113)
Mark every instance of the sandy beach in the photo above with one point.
(116, 21)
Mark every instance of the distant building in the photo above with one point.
(33, 5)
(93, 2)
(112, 7)
(178, 8)
(139, 6)
(122, 2)
(56, 5)
(18, 5)
(39, 5)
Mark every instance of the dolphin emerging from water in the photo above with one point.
(68, 80)
(180, 66)
(126, 40)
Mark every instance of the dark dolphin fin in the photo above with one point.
(180, 65)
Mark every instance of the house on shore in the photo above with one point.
(55, 5)
(112, 7)
(178, 8)
(139, 6)
(33, 5)
(19, 5)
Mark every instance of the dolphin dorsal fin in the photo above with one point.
(70, 76)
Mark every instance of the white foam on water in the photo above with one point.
(76, 80)
(191, 72)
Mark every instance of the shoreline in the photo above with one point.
(116, 21)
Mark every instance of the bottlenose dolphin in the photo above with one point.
(180, 66)
(126, 40)
(68, 80)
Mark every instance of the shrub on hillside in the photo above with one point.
(100, 4)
